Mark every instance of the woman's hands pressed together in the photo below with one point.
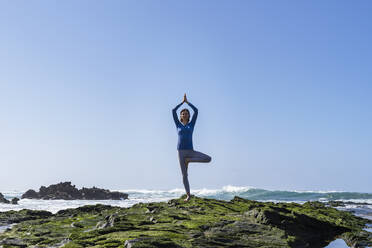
(185, 99)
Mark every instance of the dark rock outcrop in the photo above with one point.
(30, 194)
(14, 201)
(4, 200)
(11, 217)
(67, 191)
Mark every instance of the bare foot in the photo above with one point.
(187, 198)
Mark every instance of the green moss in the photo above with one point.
(198, 223)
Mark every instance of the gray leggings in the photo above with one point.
(190, 156)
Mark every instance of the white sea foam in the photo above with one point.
(203, 191)
(317, 191)
(233, 189)
(365, 201)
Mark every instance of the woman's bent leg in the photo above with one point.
(195, 156)
(181, 157)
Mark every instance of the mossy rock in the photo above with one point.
(199, 222)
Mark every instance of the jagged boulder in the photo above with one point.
(67, 191)
(14, 201)
(3, 200)
(31, 194)
(102, 194)
(64, 191)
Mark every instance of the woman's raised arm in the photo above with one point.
(174, 113)
(195, 115)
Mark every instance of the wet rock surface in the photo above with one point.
(201, 222)
(67, 191)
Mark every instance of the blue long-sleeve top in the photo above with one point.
(185, 131)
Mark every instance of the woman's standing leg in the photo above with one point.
(182, 156)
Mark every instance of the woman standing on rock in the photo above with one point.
(186, 153)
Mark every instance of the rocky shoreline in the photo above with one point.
(67, 191)
(200, 223)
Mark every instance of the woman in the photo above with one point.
(186, 153)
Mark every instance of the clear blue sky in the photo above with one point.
(283, 90)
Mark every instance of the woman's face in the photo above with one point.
(185, 115)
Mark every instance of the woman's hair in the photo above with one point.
(187, 112)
